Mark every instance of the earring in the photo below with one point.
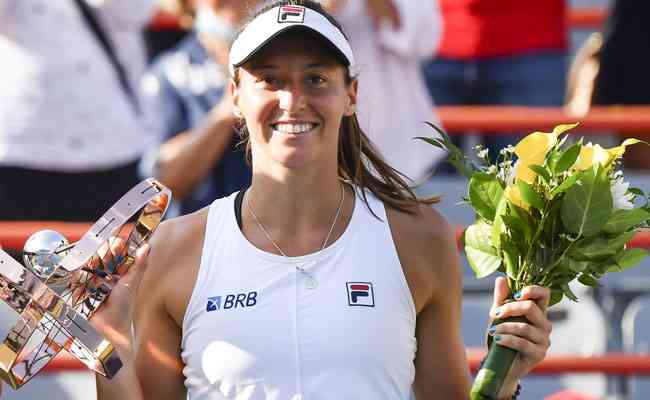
(237, 112)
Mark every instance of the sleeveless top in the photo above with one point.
(255, 329)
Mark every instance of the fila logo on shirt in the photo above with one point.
(361, 294)
(291, 14)
(240, 300)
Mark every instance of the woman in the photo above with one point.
(323, 278)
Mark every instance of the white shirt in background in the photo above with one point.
(393, 99)
(62, 107)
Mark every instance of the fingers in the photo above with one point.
(522, 330)
(534, 352)
(538, 294)
(501, 292)
(524, 308)
(134, 276)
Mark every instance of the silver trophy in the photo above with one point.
(62, 284)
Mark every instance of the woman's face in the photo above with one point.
(293, 96)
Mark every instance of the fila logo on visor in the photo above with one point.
(361, 294)
(291, 14)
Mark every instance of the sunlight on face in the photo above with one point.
(293, 96)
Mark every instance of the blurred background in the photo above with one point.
(99, 94)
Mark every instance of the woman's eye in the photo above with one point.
(269, 80)
(316, 80)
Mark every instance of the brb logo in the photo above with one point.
(241, 300)
(361, 294)
(291, 14)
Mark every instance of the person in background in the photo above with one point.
(624, 63)
(72, 126)
(197, 156)
(505, 52)
(391, 39)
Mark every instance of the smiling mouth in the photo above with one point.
(294, 129)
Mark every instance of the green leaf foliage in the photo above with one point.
(565, 185)
(588, 280)
(485, 193)
(568, 292)
(530, 196)
(587, 207)
(510, 257)
(481, 255)
(541, 171)
(556, 297)
(622, 220)
(568, 158)
(631, 257)
(498, 226)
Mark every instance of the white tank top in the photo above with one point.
(254, 329)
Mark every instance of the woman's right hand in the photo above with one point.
(114, 317)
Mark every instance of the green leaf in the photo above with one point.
(481, 255)
(588, 280)
(498, 226)
(530, 196)
(622, 220)
(592, 249)
(631, 257)
(510, 257)
(568, 158)
(587, 207)
(636, 191)
(525, 218)
(431, 141)
(568, 292)
(618, 242)
(577, 266)
(541, 171)
(556, 297)
(566, 185)
(485, 193)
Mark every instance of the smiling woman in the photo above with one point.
(322, 279)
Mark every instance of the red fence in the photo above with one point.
(579, 18)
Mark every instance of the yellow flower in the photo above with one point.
(513, 195)
(532, 150)
(591, 154)
(594, 153)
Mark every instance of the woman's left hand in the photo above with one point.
(532, 339)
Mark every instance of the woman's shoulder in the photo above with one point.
(421, 224)
(176, 235)
(426, 247)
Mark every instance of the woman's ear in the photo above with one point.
(351, 107)
(233, 90)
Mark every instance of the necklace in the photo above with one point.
(310, 280)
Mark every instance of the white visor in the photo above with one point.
(265, 27)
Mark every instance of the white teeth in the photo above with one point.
(294, 128)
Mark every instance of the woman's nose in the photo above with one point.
(292, 99)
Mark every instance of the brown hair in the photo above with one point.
(359, 162)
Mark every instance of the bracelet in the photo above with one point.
(516, 393)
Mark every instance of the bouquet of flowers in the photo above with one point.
(554, 213)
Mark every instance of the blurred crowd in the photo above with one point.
(87, 110)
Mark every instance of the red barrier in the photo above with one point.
(613, 364)
(496, 119)
(579, 18)
(587, 18)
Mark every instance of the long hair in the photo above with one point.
(359, 162)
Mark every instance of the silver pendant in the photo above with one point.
(310, 281)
